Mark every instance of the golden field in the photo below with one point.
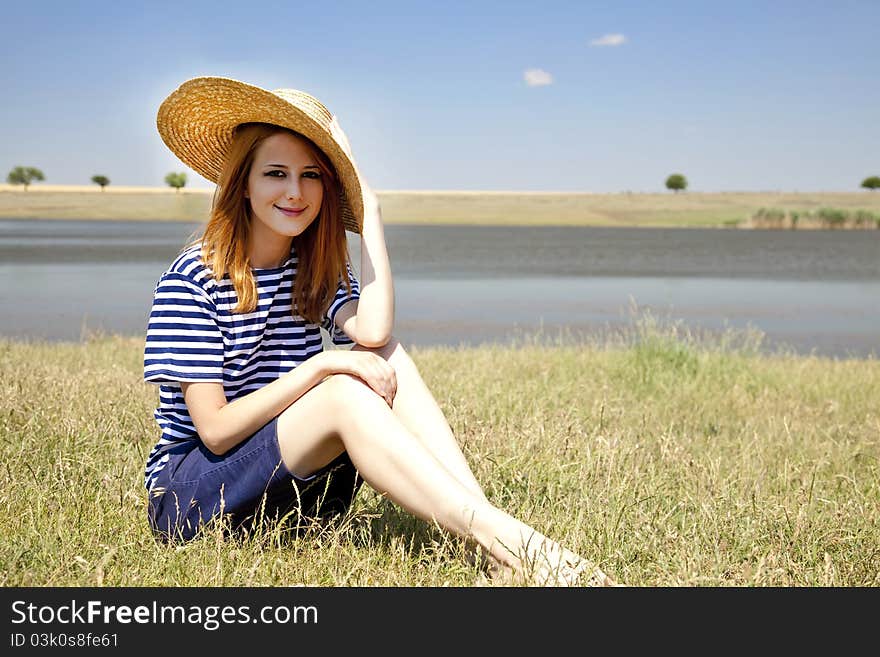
(670, 460)
(696, 209)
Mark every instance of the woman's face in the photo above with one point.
(284, 186)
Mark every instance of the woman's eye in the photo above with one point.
(312, 174)
(277, 173)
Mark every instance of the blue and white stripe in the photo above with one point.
(193, 335)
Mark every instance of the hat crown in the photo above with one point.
(307, 103)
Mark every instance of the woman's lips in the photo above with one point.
(291, 212)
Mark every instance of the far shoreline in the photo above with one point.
(160, 189)
(687, 209)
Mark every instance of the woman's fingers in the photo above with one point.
(379, 375)
(387, 379)
(371, 201)
(391, 387)
(340, 136)
(371, 369)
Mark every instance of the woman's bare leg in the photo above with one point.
(419, 412)
(343, 413)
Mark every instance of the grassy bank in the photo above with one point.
(493, 208)
(778, 218)
(670, 460)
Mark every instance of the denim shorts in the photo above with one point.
(247, 484)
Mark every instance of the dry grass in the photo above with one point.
(670, 460)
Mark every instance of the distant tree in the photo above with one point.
(176, 180)
(24, 176)
(871, 183)
(103, 181)
(676, 182)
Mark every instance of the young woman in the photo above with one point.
(257, 419)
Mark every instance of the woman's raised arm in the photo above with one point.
(375, 313)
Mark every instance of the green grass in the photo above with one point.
(672, 459)
(821, 218)
(690, 209)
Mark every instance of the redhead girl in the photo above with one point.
(258, 420)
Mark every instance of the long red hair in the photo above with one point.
(321, 249)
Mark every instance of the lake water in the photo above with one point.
(813, 291)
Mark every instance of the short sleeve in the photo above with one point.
(184, 342)
(328, 322)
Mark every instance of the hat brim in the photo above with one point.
(198, 121)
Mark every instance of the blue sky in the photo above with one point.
(538, 96)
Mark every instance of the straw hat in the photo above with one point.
(198, 120)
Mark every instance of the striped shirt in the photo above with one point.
(193, 335)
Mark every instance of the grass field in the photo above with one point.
(671, 459)
(492, 208)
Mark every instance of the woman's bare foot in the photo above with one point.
(498, 574)
(553, 565)
(501, 575)
(546, 563)
(594, 576)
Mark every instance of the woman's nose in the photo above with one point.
(294, 191)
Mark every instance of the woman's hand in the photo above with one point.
(369, 367)
(341, 138)
(371, 201)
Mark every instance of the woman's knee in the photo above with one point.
(387, 350)
(348, 392)
(393, 352)
(326, 408)
(359, 410)
(317, 427)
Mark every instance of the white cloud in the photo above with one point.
(609, 40)
(535, 77)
